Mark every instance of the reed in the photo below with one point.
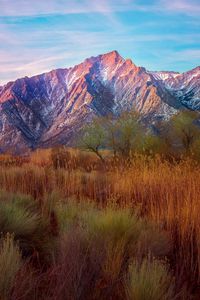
(165, 194)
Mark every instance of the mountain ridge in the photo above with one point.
(93, 57)
(50, 108)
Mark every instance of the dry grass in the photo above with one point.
(166, 194)
(10, 262)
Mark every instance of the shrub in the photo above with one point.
(32, 232)
(115, 225)
(72, 213)
(96, 249)
(23, 201)
(152, 145)
(113, 233)
(17, 219)
(149, 280)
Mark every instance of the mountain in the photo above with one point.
(184, 87)
(164, 75)
(51, 108)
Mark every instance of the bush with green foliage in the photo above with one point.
(125, 135)
(20, 215)
(100, 253)
(119, 134)
(185, 129)
(98, 246)
(149, 280)
(93, 138)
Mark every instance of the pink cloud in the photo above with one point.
(106, 7)
(181, 6)
(38, 7)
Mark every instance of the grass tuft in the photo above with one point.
(10, 263)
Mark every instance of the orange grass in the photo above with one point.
(168, 194)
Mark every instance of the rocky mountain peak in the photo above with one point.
(51, 108)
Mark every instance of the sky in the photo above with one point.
(37, 36)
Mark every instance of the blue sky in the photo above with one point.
(40, 35)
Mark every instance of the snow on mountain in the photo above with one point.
(164, 75)
(51, 108)
(185, 87)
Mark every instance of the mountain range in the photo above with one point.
(50, 109)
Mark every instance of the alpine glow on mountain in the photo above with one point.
(49, 109)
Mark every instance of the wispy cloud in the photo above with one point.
(38, 7)
(37, 36)
(189, 7)
(74, 49)
(183, 55)
(66, 48)
(106, 7)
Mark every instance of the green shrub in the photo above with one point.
(152, 145)
(114, 225)
(21, 200)
(72, 214)
(33, 233)
(17, 219)
(149, 280)
(114, 233)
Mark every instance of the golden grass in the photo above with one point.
(10, 262)
(167, 194)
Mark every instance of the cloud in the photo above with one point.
(30, 8)
(188, 7)
(12, 69)
(69, 47)
(66, 48)
(32, 45)
(53, 46)
(38, 7)
(176, 60)
(183, 55)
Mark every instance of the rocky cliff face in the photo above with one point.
(184, 87)
(50, 108)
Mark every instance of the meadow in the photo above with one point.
(73, 227)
